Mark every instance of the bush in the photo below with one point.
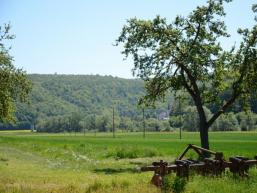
(174, 184)
(179, 185)
(226, 122)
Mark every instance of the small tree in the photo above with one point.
(187, 55)
(153, 124)
(75, 119)
(102, 123)
(247, 120)
(226, 122)
(14, 84)
(191, 120)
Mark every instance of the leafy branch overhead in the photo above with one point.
(13, 82)
(186, 54)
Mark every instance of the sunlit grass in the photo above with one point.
(39, 162)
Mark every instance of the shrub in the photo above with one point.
(179, 185)
(174, 184)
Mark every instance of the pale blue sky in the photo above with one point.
(76, 36)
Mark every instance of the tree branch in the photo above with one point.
(235, 87)
(196, 36)
(188, 88)
(222, 109)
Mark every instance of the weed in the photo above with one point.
(94, 187)
(167, 183)
(124, 184)
(178, 185)
(126, 153)
(3, 159)
(173, 184)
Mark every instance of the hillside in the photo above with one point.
(85, 102)
(62, 95)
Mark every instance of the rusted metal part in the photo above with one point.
(199, 150)
(214, 164)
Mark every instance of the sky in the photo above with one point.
(77, 36)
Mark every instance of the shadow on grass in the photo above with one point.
(139, 163)
(116, 170)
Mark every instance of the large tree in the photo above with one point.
(14, 84)
(186, 54)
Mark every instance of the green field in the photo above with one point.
(64, 163)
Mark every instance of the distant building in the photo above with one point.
(164, 115)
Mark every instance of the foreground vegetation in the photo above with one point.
(32, 162)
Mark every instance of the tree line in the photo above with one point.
(70, 103)
(96, 123)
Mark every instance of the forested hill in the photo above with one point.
(62, 95)
(76, 102)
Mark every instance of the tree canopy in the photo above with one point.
(187, 54)
(14, 85)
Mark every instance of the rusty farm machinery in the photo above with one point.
(209, 163)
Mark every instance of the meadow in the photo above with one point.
(69, 163)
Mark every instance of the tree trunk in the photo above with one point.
(203, 125)
(204, 134)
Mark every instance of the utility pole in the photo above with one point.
(69, 123)
(84, 129)
(34, 127)
(143, 122)
(180, 114)
(180, 133)
(94, 125)
(113, 128)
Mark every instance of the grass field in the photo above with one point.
(64, 163)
